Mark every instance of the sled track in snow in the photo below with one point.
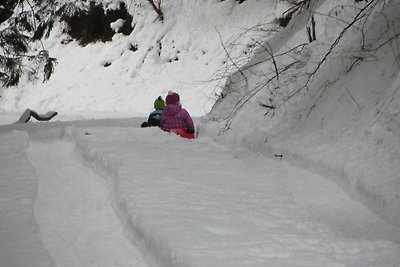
(98, 205)
(74, 211)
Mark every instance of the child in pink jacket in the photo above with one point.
(174, 117)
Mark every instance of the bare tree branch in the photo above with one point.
(272, 57)
(229, 56)
(157, 8)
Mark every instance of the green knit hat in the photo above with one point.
(159, 103)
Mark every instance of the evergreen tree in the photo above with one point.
(22, 23)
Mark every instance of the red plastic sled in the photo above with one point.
(182, 133)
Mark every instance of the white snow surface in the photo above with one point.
(181, 54)
(345, 124)
(314, 183)
(104, 193)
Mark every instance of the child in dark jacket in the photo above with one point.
(155, 116)
(174, 117)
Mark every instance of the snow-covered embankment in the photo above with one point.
(334, 108)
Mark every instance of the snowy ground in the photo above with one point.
(75, 216)
(77, 189)
(107, 193)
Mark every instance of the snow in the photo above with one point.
(76, 234)
(181, 54)
(117, 25)
(314, 183)
(345, 124)
(206, 205)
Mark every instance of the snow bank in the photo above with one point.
(344, 120)
(182, 54)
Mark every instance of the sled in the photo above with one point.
(182, 133)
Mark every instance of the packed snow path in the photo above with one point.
(181, 203)
(74, 211)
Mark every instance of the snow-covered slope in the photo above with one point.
(238, 208)
(182, 53)
(339, 117)
(334, 107)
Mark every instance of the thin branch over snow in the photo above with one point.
(364, 13)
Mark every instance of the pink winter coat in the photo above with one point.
(176, 117)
